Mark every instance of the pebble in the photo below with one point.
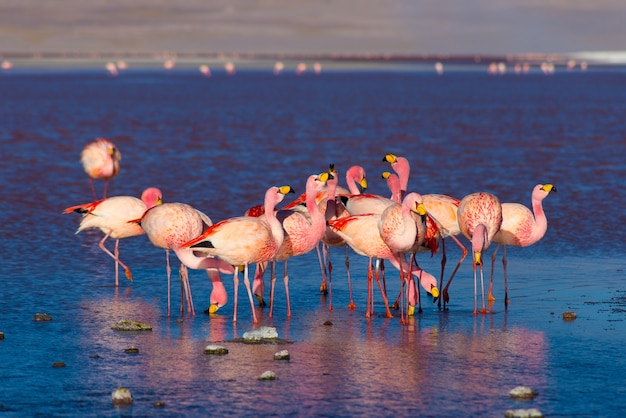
(522, 392)
(58, 364)
(215, 350)
(42, 317)
(130, 325)
(122, 396)
(267, 375)
(131, 350)
(159, 404)
(282, 355)
(523, 413)
(261, 333)
(569, 316)
(1, 335)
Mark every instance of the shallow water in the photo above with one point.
(217, 144)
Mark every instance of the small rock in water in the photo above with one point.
(523, 413)
(328, 323)
(569, 316)
(267, 375)
(522, 392)
(159, 404)
(58, 364)
(131, 350)
(261, 333)
(1, 335)
(215, 350)
(130, 325)
(122, 396)
(282, 355)
(42, 317)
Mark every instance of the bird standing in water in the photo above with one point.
(480, 218)
(114, 217)
(520, 228)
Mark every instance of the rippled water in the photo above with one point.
(217, 144)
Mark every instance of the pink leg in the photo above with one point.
(384, 295)
(235, 292)
(506, 284)
(286, 280)
(93, 189)
(321, 259)
(258, 284)
(351, 305)
(493, 262)
(246, 281)
(103, 248)
(117, 265)
(272, 286)
(445, 296)
(330, 277)
(106, 186)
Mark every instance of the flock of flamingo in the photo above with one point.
(383, 229)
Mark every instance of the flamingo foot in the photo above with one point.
(351, 306)
(395, 306)
(129, 276)
(446, 296)
(490, 297)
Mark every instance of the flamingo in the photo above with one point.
(113, 216)
(169, 226)
(520, 228)
(362, 234)
(442, 221)
(404, 234)
(101, 160)
(480, 218)
(245, 240)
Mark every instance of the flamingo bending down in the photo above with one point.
(521, 227)
(442, 220)
(480, 218)
(403, 233)
(114, 217)
(101, 160)
(245, 240)
(362, 234)
(169, 226)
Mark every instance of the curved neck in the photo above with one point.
(271, 200)
(541, 222)
(186, 256)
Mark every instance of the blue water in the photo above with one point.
(218, 143)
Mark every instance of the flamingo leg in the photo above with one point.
(368, 311)
(475, 301)
(235, 292)
(415, 285)
(117, 265)
(190, 307)
(351, 305)
(93, 189)
(129, 276)
(321, 260)
(286, 280)
(330, 279)
(273, 283)
(506, 285)
(182, 290)
(246, 281)
(482, 286)
(443, 266)
(446, 297)
(169, 272)
(258, 284)
(493, 262)
(383, 293)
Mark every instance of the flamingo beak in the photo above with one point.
(434, 291)
(411, 311)
(478, 258)
(213, 308)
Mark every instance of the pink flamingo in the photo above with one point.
(169, 226)
(404, 234)
(442, 221)
(361, 232)
(302, 232)
(101, 160)
(113, 216)
(245, 240)
(480, 218)
(520, 228)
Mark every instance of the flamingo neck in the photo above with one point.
(271, 200)
(540, 225)
(218, 294)
(403, 169)
(187, 257)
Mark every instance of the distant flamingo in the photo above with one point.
(520, 228)
(442, 221)
(113, 216)
(169, 226)
(245, 240)
(101, 160)
(480, 218)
